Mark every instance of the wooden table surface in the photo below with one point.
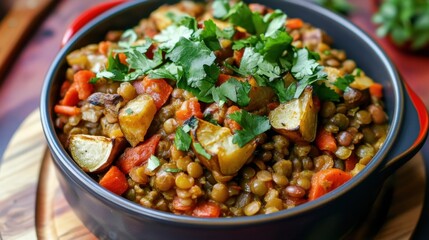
(20, 87)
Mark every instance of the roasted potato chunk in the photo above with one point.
(227, 158)
(296, 119)
(361, 81)
(135, 118)
(259, 98)
(94, 153)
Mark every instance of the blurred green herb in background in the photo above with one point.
(406, 22)
(339, 6)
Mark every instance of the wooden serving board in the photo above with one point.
(32, 205)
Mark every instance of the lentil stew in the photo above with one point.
(198, 111)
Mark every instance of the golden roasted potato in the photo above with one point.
(361, 81)
(160, 16)
(333, 74)
(226, 157)
(135, 118)
(296, 119)
(259, 97)
(94, 153)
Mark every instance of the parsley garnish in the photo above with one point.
(252, 125)
(152, 163)
(192, 56)
(182, 140)
(233, 90)
(199, 149)
(343, 82)
(306, 70)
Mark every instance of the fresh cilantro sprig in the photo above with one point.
(252, 125)
(182, 139)
(233, 90)
(306, 69)
(153, 162)
(343, 82)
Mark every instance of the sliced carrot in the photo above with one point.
(178, 205)
(231, 124)
(66, 110)
(83, 86)
(115, 181)
(207, 210)
(71, 97)
(327, 180)
(123, 58)
(294, 23)
(350, 163)
(238, 55)
(138, 155)
(104, 47)
(64, 88)
(158, 89)
(189, 108)
(376, 90)
(326, 141)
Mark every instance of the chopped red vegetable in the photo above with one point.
(138, 155)
(206, 209)
(327, 180)
(115, 181)
(158, 89)
(82, 84)
(188, 109)
(66, 110)
(326, 141)
(294, 23)
(376, 90)
(231, 124)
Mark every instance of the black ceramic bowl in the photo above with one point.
(329, 217)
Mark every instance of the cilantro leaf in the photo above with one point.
(306, 70)
(283, 93)
(209, 36)
(182, 140)
(127, 38)
(276, 22)
(250, 61)
(168, 38)
(343, 82)
(275, 44)
(115, 69)
(220, 8)
(152, 163)
(199, 149)
(303, 65)
(192, 56)
(234, 90)
(246, 42)
(240, 14)
(325, 93)
(168, 71)
(252, 126)
(137, 60)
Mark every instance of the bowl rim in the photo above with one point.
(67, 166)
